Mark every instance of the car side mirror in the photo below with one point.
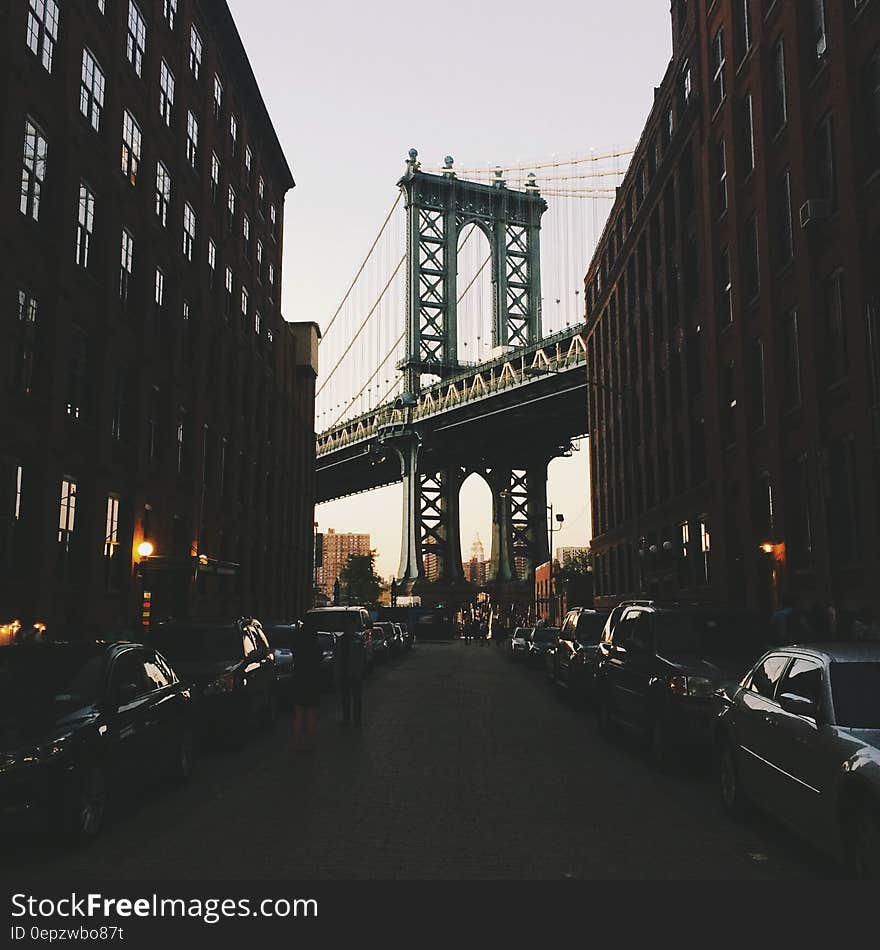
(799, 706)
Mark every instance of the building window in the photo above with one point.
(261, 195)
(826, 173)
(91, 90)
(686, 83)
(111, 526)
(228, 285)
(758, 390)
(273, 222)
(246, 233)
(230, 205)
(218, 97)
(160, 289)
(215, 177)
(747, 136)
(163, 193)
(271, 270)
(871, 98)
(258, 323)
(85, 224)
(136, 43)
(127, 262)
(154, 410)
(728, 404)
(705, 549)
(131, 146)
(792, 357)
(181, 440)
(721, 176)
(751, 261)
(742, 28)
(259, 260)
(192, 139)
(33, 170)
(835, 356)
(117, 420)
(872, 320)
(169, 9)
(244, 303)
(212, 261)
(718, 69)
(27, 331)
(778, 97)
(10, 509)
(784, 232)
(233, 132)
(67, 514)
(725, 289)
(819, 34)
(845, 535)
(166, 92)
(189, 231)
(42, 30)
(195, 51)
(77, 374)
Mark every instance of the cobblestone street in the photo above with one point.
(467, 766)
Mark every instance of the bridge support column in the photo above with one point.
(410, 568)
(502, 568)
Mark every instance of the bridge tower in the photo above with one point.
(438, 208)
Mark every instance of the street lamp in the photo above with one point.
(560, 518)
(145, 549)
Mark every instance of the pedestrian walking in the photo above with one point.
(484, 633)
(307, 655)
(349, 662)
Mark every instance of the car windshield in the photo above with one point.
(521, 633)
(856, 691)
(61, 676)
(709, 634)
(545, 634)
(331, 621)
(590, 627)
(202, 643)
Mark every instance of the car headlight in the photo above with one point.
(698, 686)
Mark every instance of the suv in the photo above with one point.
(659, 666)
(337, 620)
(573, 663)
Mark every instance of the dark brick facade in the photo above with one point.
(192, 408)
(734, 317)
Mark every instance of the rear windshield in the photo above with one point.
(855, 688)
(202, 643)
(545, 634)
(332, 621)
(521, 633)
(589, 628)
(709, 634)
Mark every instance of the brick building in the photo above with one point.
(336, 550)
(733, 310)
(152, 390)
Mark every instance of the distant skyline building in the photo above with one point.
(566, 554)
(336, 550)
(476, 570)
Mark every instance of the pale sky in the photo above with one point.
(351, 86)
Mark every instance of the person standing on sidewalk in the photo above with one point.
(307, 655)
(349, 662)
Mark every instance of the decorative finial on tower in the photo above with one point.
(499, 178)
(531, 182)
(448, 162)
(412, 163)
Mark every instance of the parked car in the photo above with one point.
(81, 722)
(800, 738)
(403, 640)
(541, 639)
(572, 664)
(232, 669)
(328, 645)
(281, 637)
(383, 635)
(337, 620)
(518, 645)
(658, 670)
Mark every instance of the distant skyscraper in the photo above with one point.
(477, 568)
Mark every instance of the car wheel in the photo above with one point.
(88, 806)
(732, 796)
(863, 843)
(183, 759)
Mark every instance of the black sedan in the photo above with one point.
(79, 722)
(541, 641)
(800, 738)
(232, 669)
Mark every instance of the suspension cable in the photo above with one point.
(551, 164)
(351, 342)
(364, 264)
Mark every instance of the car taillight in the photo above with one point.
(678, 685)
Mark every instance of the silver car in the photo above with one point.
(800, 738)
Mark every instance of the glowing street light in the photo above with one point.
(145, 549)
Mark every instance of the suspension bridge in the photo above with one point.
(449, 355)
